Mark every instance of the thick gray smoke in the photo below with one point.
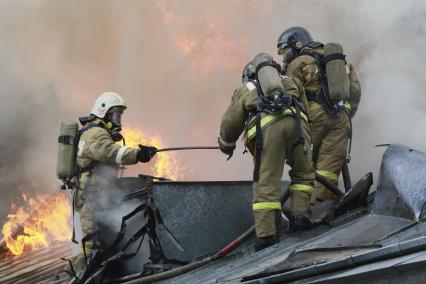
(177, 64)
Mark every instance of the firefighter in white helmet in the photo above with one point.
(98, 159)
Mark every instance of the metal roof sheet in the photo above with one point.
(43, 266)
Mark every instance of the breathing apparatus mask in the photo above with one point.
(113, 122)
(289, 53)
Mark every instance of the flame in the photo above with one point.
(44, 219)
(210, 48)
(165, 164)
(186, 45)
(205, 41)
(167, 14)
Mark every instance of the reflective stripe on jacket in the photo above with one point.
(271, 118)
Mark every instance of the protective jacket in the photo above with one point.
(97, 147)
(98, 157)
(279, 146)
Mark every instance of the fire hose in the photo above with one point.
(188, 148)
(319, 178)
(333, 188)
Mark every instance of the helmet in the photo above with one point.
(105, 102)
(296, 34)
(248, 72)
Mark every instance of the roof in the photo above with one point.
(383, 241)
(380, 242)
(42, 266)
(303, 249)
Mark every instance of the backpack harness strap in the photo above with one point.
(259, 148)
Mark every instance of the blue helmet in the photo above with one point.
(296, 34)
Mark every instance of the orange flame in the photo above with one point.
(167, 14)
(206, 41)
(209, 48)
(44, 219)
(165, 164)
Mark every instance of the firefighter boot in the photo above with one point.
(300, 222)
(299, 209)
(264, 242)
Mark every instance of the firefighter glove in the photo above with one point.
(226, 147)
(146, 153)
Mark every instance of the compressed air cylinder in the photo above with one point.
(65, 167)
(337, 77)
(268, 76)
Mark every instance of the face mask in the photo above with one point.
(113, 122)
(115, 119)
(288, 54)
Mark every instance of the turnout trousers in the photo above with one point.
(85, 203)
(330, 142)
(279, 148)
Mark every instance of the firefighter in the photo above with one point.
(283, 138)
(303, 58)
(98, 158)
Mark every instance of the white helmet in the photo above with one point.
(106, 101)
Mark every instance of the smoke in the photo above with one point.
(177, 63)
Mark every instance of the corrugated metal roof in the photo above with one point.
(246, 262)
(43, 266)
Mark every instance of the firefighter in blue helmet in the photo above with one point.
(303, 58)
